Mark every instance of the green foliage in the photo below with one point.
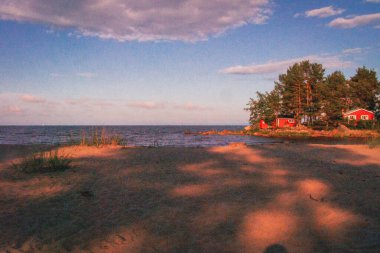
(364, 89)
(322, 125)
(361, 124)
(266, 106)
(304, 91)
(44, 162)
(334, 99)
(298, 90)
(373, 143)
(292, 134)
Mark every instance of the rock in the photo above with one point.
(342, 128)
(248, 128)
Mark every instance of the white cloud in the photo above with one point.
(93, 103)
(149, 105)
(13, 109)
(356, 50)
(373, 1)
(186, 20)
(86, 74)
(328, 61)
(355, 21)
(324, 12)
(56, 75)
(192, 107)
(32, 99)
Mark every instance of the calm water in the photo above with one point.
(133, 135)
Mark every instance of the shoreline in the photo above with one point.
(298, 133)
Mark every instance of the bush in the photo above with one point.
(319, 125)
(361, 124)
(44, 162)
(100, 138)
(373, 143)
(365, 124)
(324, 125)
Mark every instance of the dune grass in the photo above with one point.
(100, 138)
(373, 142)
(42, 162)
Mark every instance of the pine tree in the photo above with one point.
(304, 93)
(298, 90)
(364, 89)
(266, 106)
(333, 96)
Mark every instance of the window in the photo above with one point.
(352, 117)
(364, 117)
(291, 120)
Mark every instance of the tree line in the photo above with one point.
(305, 93)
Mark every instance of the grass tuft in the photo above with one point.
(101, 138)
(373, 142)
(44, 162)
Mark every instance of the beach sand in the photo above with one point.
(288, 197)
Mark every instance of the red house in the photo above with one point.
(284, 122)
(359, 114)
(279, 123)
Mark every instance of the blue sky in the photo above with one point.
(168, 62)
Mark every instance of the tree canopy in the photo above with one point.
(307, 94)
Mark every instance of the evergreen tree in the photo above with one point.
(334, 96)
(265, 106)
(364, 89)
(304, 93)
(299, 86)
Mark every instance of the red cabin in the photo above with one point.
(359, 114)
(284, 122)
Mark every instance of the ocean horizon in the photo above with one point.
(133, 135)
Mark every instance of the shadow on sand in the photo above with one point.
(269, 198)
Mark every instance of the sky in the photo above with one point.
(168, 62)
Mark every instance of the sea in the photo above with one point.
(177, 136)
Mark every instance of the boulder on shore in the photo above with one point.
(248, 128)
(342, 128)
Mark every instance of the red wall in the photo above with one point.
(359, 113)
(263, 125)
(284, 122)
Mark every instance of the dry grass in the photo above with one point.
(101, 138)
(43, 162)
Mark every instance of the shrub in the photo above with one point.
(326, 124)
(44, 162)
(319, 125)
(361, 124)
(100, 138)
(365, 124)
(373, 143)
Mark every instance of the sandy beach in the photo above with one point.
(287, 197)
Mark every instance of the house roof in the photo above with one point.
(357, 109)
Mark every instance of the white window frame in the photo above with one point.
(364, 117)
(352, 117)
(291, 121)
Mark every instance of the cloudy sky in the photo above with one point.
(168, 61)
